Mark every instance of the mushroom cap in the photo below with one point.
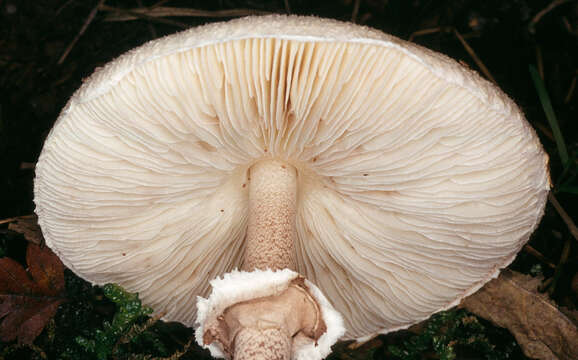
(418, 179)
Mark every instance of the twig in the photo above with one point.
(544, 129)
(567, 24)
(165, 11)
(63, 6)
(475, 57)
(160, 3)
(570, 92)
(372, 343)
(539, 62)
(564, 215)
(138, 329)
(538, 255)
(365, 18)
(355, 10)
(434, 30)
(87, 22)
(561, 262)
(179, 353)
(544, 11)
(423, 32)
(287, 7)
(150, 26)
(27, 165)
(543, 287)
(356, 345)
(13, 219)
(133, 15)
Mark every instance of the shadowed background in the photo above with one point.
(48, 46)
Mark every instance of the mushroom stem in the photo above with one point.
(249, 344)
(271, 228)
(269, 244)
(269, 327)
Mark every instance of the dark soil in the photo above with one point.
(504, 35)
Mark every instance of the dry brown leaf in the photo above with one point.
(28, 226)
(29, 298)
(513, 301)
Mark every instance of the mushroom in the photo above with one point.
(340, 168)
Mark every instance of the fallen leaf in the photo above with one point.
(29, 298)
(541, 329)
(27, 226)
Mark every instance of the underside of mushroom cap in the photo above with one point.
(418, 180)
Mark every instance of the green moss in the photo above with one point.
(450, 335)
(112, 339)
